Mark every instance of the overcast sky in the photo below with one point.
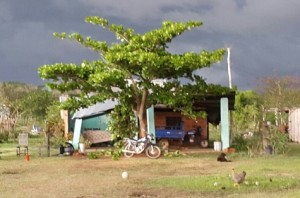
(264, 35)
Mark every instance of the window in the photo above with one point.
(173, 123)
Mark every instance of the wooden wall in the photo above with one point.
(294, 125)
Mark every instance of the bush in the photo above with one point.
(252, 144)
(4, 136)
(278, 141)
(239, 143)
(56, 141)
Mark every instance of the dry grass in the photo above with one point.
(79, 177)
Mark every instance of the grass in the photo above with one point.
(192, 175)
(223, 184)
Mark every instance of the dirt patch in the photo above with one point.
(10, 172)
(78, 176)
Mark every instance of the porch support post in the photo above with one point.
(150, 122)
(77, 132)
(225, 123)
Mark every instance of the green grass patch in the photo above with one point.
(223, 183)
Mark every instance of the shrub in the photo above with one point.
(252, 144)
(4, 136)
(278, 141)
(239, 143)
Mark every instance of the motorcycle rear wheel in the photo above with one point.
(131, 148)
(153, 151)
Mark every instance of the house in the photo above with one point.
(161, 119)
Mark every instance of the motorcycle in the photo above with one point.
(138, 146)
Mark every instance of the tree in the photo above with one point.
(11, 94)
(34, 104)
(24, 103)
(279, 94)
(127, 70)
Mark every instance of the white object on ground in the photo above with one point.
(125, 175)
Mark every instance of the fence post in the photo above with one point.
(48, 144)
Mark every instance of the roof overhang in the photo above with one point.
(211, 104)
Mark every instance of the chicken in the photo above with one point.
(238, 178)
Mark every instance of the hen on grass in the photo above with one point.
(238, 178)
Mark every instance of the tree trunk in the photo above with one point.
(143, 125)
(141, 114)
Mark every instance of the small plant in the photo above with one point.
(93, 155)
(114, 154)
(173, 154)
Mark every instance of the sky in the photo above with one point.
(263, 36)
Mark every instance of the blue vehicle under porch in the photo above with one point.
(169, 134)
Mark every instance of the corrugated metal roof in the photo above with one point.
(96, 109)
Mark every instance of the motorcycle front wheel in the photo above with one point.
(153, 151)
(131, 149)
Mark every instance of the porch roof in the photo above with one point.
(209, 103)
(96, 109)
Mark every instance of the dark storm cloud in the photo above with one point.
(263, 35)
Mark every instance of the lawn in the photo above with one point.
(192, 175)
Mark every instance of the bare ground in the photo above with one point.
(79, 177)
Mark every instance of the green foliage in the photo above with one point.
(57, 140)
(173, 154)
(255, 145)
(122, 124)
(34, 104)
(4, 136)
(248, 111)
(93, 155)
(54, 124)
(279, 141)
(24, 104)
(128, 67)
(251, 144)
(239, 143)
(114, 154)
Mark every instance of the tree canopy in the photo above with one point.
(128, 69)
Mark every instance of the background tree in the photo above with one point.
(127, 70)
(35, 103)
(11, 94)
(279, 94)
(25, 104)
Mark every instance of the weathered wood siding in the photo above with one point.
(294, 125)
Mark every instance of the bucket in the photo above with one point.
(26, 157)
(217, 146)
(81, 148)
